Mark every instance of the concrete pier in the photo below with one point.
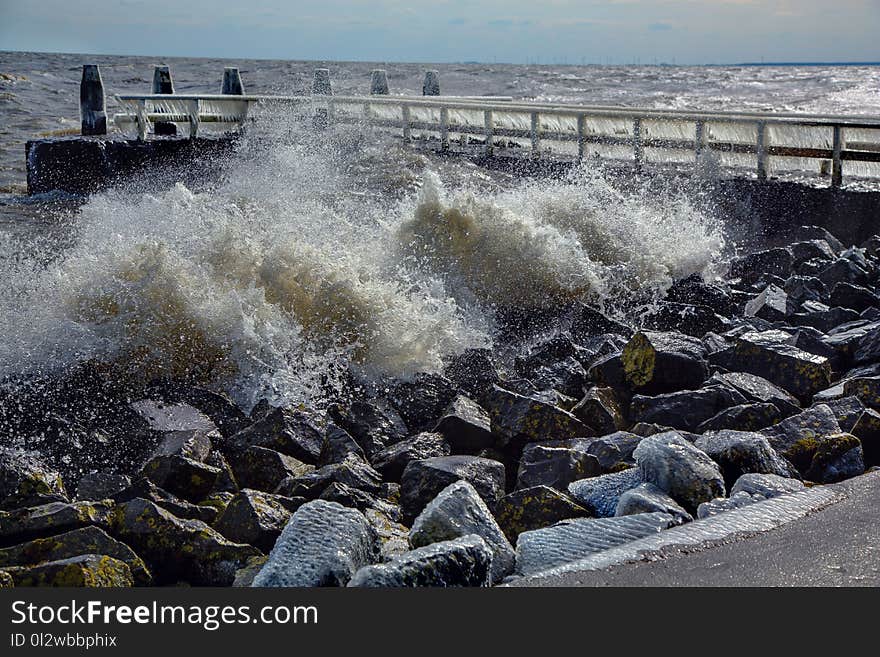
(232, 85)
(431, 86)
(379, 82)
(321, 82)
(92, 106)
(163, 84)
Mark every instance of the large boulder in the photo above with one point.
(760, 390)
(838, 457)
(614, 450)
(464, 561)
(867, 430)
(771, 304)
(101, 485)
(685, 410)
(866, 388)
(601, 410)
(661, 362)
(647, 498)
(518, 420)
(678, 468)
(373, 424)
(600, 495)
(765, 485)
(146, 489)
(323, 544)
(178, 464)
(741, 452)
(466, 426)
(87, 570)
(423, 480)
(26, 481)
(744, 417)
(533, 508)
(457, 512)
(54, 518)
(338, 444)
(797, 438)
(556, 467)
(351, 471)
(421, 401)
(260, 468)
(392, 460)
(289, 431)
(256, 518)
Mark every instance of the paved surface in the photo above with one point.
(838, 546)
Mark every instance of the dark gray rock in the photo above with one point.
(777, 262)
(852, 296)
(146, 489)
(686, 409)
(771, 304)
(338, 444)
(798, 437)
(420, 402)
(26, 481)
(101, 485)
(690, 319)
(264, 469)
(374, 425)
(601, 410)
(837, 457)
(656, 362)
(392, 460)
(765, 485)
(741, 452)
(722, 504)
(466, 426)
(847, 410)
(647, 498)
(556, 467)
(599, 495)
(614, 449)
(292, 432)
(28, 523)
(352, 471)
(86, 570)
(867, 430)
(472, 371)
(533, 508)
(517, 420)
(866, 388)
(744, 417)
(255, 517)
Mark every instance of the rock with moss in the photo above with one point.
(459, 511)
(866, 388)
(53, 518)
(518, 420)
(146, 489)
(556, 467)
(465, 426)
(256, 517)
(678, 468)
(847, 410)
(867, 429)
(686, 409)
(392, 461)
(178, 464)
(338, 444)
(533, 508)
(87, 570)
(600, 495)
(259, 468)
(25, 480)
(355, 498)
(614, 450)
(393, 536)
(464, 561)
(176, 549)
(741, 452)
(601, 410)
(291, 431)
(743, 417)
(6, 581)
(838, 457)
(101, 485)
(87, 540)
(423, 480)
(759, 390)
(647, 498)
(797, 438)
(656, 362)
(244, 576)
(351, 471)
(323, 544)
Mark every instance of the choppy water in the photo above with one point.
(311, 258)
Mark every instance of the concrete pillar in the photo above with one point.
(379, 82)
(92, 107)
(321, 83)
(232, 82)
(163, 84)
(431, 86)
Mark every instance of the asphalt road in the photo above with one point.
(838, 546)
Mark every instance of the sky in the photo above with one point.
(517, 31)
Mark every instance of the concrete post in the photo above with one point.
(431, 86)
(379, 83)
(163, 84)
(232, 82)
(321, 87)
(92, 107)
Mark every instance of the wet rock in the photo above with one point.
(567, 376)
(556, 467)
(101, 485)
(838, 457)
(817, 233)
(614, 449)
(264, 469)
(776, 262)
(225, 482)
(866, 388)
(323, 544)
(804, 288)
(423, 480)
(846, 340)
(842, 270)
(868, 349)
(600, 495)
(741, 452)
(532, 508)
(338, 444)
(847, 410)
(393, 536)
(601, 410)
(87, 540)
(26, 481)
(169, 418)
(722, 504)
(464, 561)
(421, 402)
(686, 409)
(226, 416)
(768, 355)
(256, 518)
(392, 461)
(351, 471)
(745, 417)
(292, 432)
(690, 319)
(694, 290)
(459, 511)
(797, 438)
(771, 304)
(88, 570)
(178, 465)
(647, 498)
(817, 249)
(517, 420)
(588, 322)
(572, 540)
(678, 468)
(178, 549)
(465, 426)
(357, 499)
(821, 317)
(655, 363)
(244, 577)
(852, 296)
(867, 430)
(472, 371)
(29, 523)
(374, 425)
(146, 489)
(765, 485)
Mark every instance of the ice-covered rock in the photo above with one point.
(600, 495)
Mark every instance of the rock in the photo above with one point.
(690, 319)
(868, 349)
(87, 540)
(816, 249)
(769, 356)
(745, 417)
(518, 420)
(178, 465)
(50, 519)
(741, 452)
(338, 444)
(351, 471)
(685, 410)
(588, 322)
(600, 495)
(244, 576)
(804, 288)
(225, 482)
(601, 410)
(556, 467)
(373, 425)
(464, 561)
(797, 438)
(817, 233)
(533, 508)
(572, 540)
(765, 485)
(866, 388)
(772, 304)
(656, 362)
(146, 489)
(852, 296)
(846, 340)
(465, 426)
(264, 469)
(472, 371)
(838, 457)
(291, 432)
(169, 418)
(393, 536)
(178, 549)
(821, 317)
(614, 450)
(678, 468)
(694, 290)
(87, 570)
(101, 485)
(842, 270)
(647, 498)
(357, 499)
(421, 401)
(6, 581)
(777, 262)
(423, 480)
(459, 511)
(256, 518)
(722, 504)
(847, 410)
(392, 460)
(323, 544)
(26, 481)
(867, 430)
(222, 411)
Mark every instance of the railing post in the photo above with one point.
(431, 86)
(762, 150)
(142, 122)
(407, 124)
(444, 128)
(582, 136)
(638, 147)
(92, 107)
(194, 123)
(321, 87)
(163, 84)
(232, 85)
(535, 133)
(699, 140)
(837, 157)
(489, 128)
(379, 82)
